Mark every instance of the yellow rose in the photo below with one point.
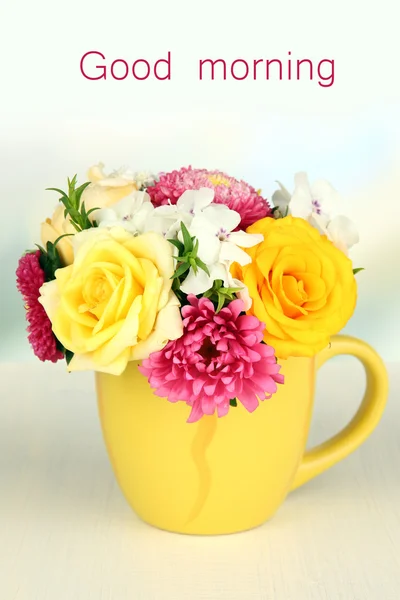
(303, 288)
(114, 303)
(103, 191)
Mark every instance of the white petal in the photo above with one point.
(126, 206)
(142, 216)
(301, 181)
(281, 198)
(204, 198)
(222, 217)
(104, 214)
(196, 284)
(320, 222)
(193, 201)
(343, 232)
(231, 253)
(107, 223)
(220, 271)
(174, 230)
(127, 225)
(166, 210)
(326, 195)
(245, 240)
(167, 220)
(301, 201)
(202, 224)
(209, 246)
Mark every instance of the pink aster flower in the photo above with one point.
(220, 356)
(236, 195)
(30, 278)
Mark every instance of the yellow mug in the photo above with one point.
(226, 475)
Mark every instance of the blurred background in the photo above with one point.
(55, 123)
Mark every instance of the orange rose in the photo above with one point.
(303, 288)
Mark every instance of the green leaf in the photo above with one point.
(65, 200)
(83, 210)
(177, 245)
(233, 402)
(73, 200)
(221, 302)
(202, 265)
(175, 285)
(71, 188)
(63, 194)
(54, 256)
(75, 226)
(49, 261)
(91, 210)
(79, 191)
(230, 291)
(192, 262)
(181, 270)
(72, 203)
(355, 271)
(61, 237)
(187, 240)
(68, 356)
(59, 346)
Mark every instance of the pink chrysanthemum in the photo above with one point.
(237, 195)
(30, 278)
(219, 357)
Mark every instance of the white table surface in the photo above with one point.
(66, 532)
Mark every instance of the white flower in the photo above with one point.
(315, 203)
(342, 232)
(167, 219)
(219, 246)
(318, 199)
(281, 199)
(144, 179)
(133, 213)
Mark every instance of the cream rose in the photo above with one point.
(55, 227)
(114, 304)
(103, 191)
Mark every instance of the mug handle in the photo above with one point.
(324, 456)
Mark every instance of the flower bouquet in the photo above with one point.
(192, 288)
